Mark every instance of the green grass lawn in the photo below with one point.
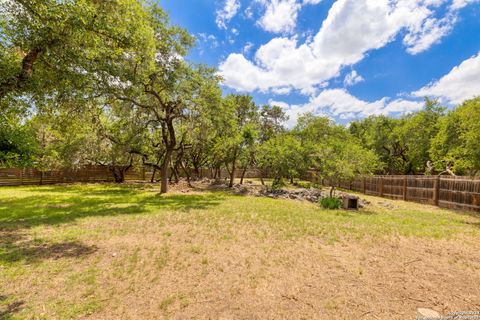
(62, 247)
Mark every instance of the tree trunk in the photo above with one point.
(232, 175)
(153, 175)
(175, 174)
(332, 189)
(243, 175)
(218, 174)
(196, 171)
(118, 174)
(164, 172)
(186, 173)
(261, 178)
(18, 81)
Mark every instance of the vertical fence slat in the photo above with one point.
(443, 191)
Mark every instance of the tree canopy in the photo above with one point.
(110, 83)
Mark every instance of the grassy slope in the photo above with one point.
(45, 230)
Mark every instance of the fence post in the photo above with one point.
(364, 185)
(21, 176)
(381, 186)
(436, 190)
(143, 173)
(404, 188)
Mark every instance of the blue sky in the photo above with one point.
(347, 59)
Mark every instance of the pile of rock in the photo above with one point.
(312, 195)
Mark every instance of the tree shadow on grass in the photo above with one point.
(14, 248)
(45, 207)
(54, 205)
(10, 309)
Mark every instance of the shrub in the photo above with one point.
(278, 184)
(331, 203)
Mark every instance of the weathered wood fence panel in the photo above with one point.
(28, 176)
(443, 191)
(93, 173)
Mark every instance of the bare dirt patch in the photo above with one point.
(184, 260)
(184, 271)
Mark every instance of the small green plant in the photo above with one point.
(278, 184)
(331, 203)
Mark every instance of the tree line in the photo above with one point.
(108, 83)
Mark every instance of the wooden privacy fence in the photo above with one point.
(443, 191)
(92, 173)
(28, 176)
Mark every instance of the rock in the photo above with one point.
(311, 194)
(428, 313)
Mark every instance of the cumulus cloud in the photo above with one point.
(351, 29)
(430, 32)
(229, 10)
(352, 78)
(280, 16)
(461, 83)
(339, 103)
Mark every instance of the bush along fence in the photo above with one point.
(443, 191)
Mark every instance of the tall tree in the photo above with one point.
(334, 153)
(238, 123)
(456, 146)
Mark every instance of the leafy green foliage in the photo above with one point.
(108, 82)
(335, 154)
(17, 143)
(403, 144)
(331, 203)
(283, 157)
(457, 143)
(57, 46)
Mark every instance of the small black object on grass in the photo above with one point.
(350, 203)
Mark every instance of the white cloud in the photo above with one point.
(351, 29)
(248, 13)
(352, 78)
(228, 11)
(206, 41)
(282, 91)
(339, 103)
(459, 4)
(280, 15)
(461, 83)
(248, 46)
(430, 32)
